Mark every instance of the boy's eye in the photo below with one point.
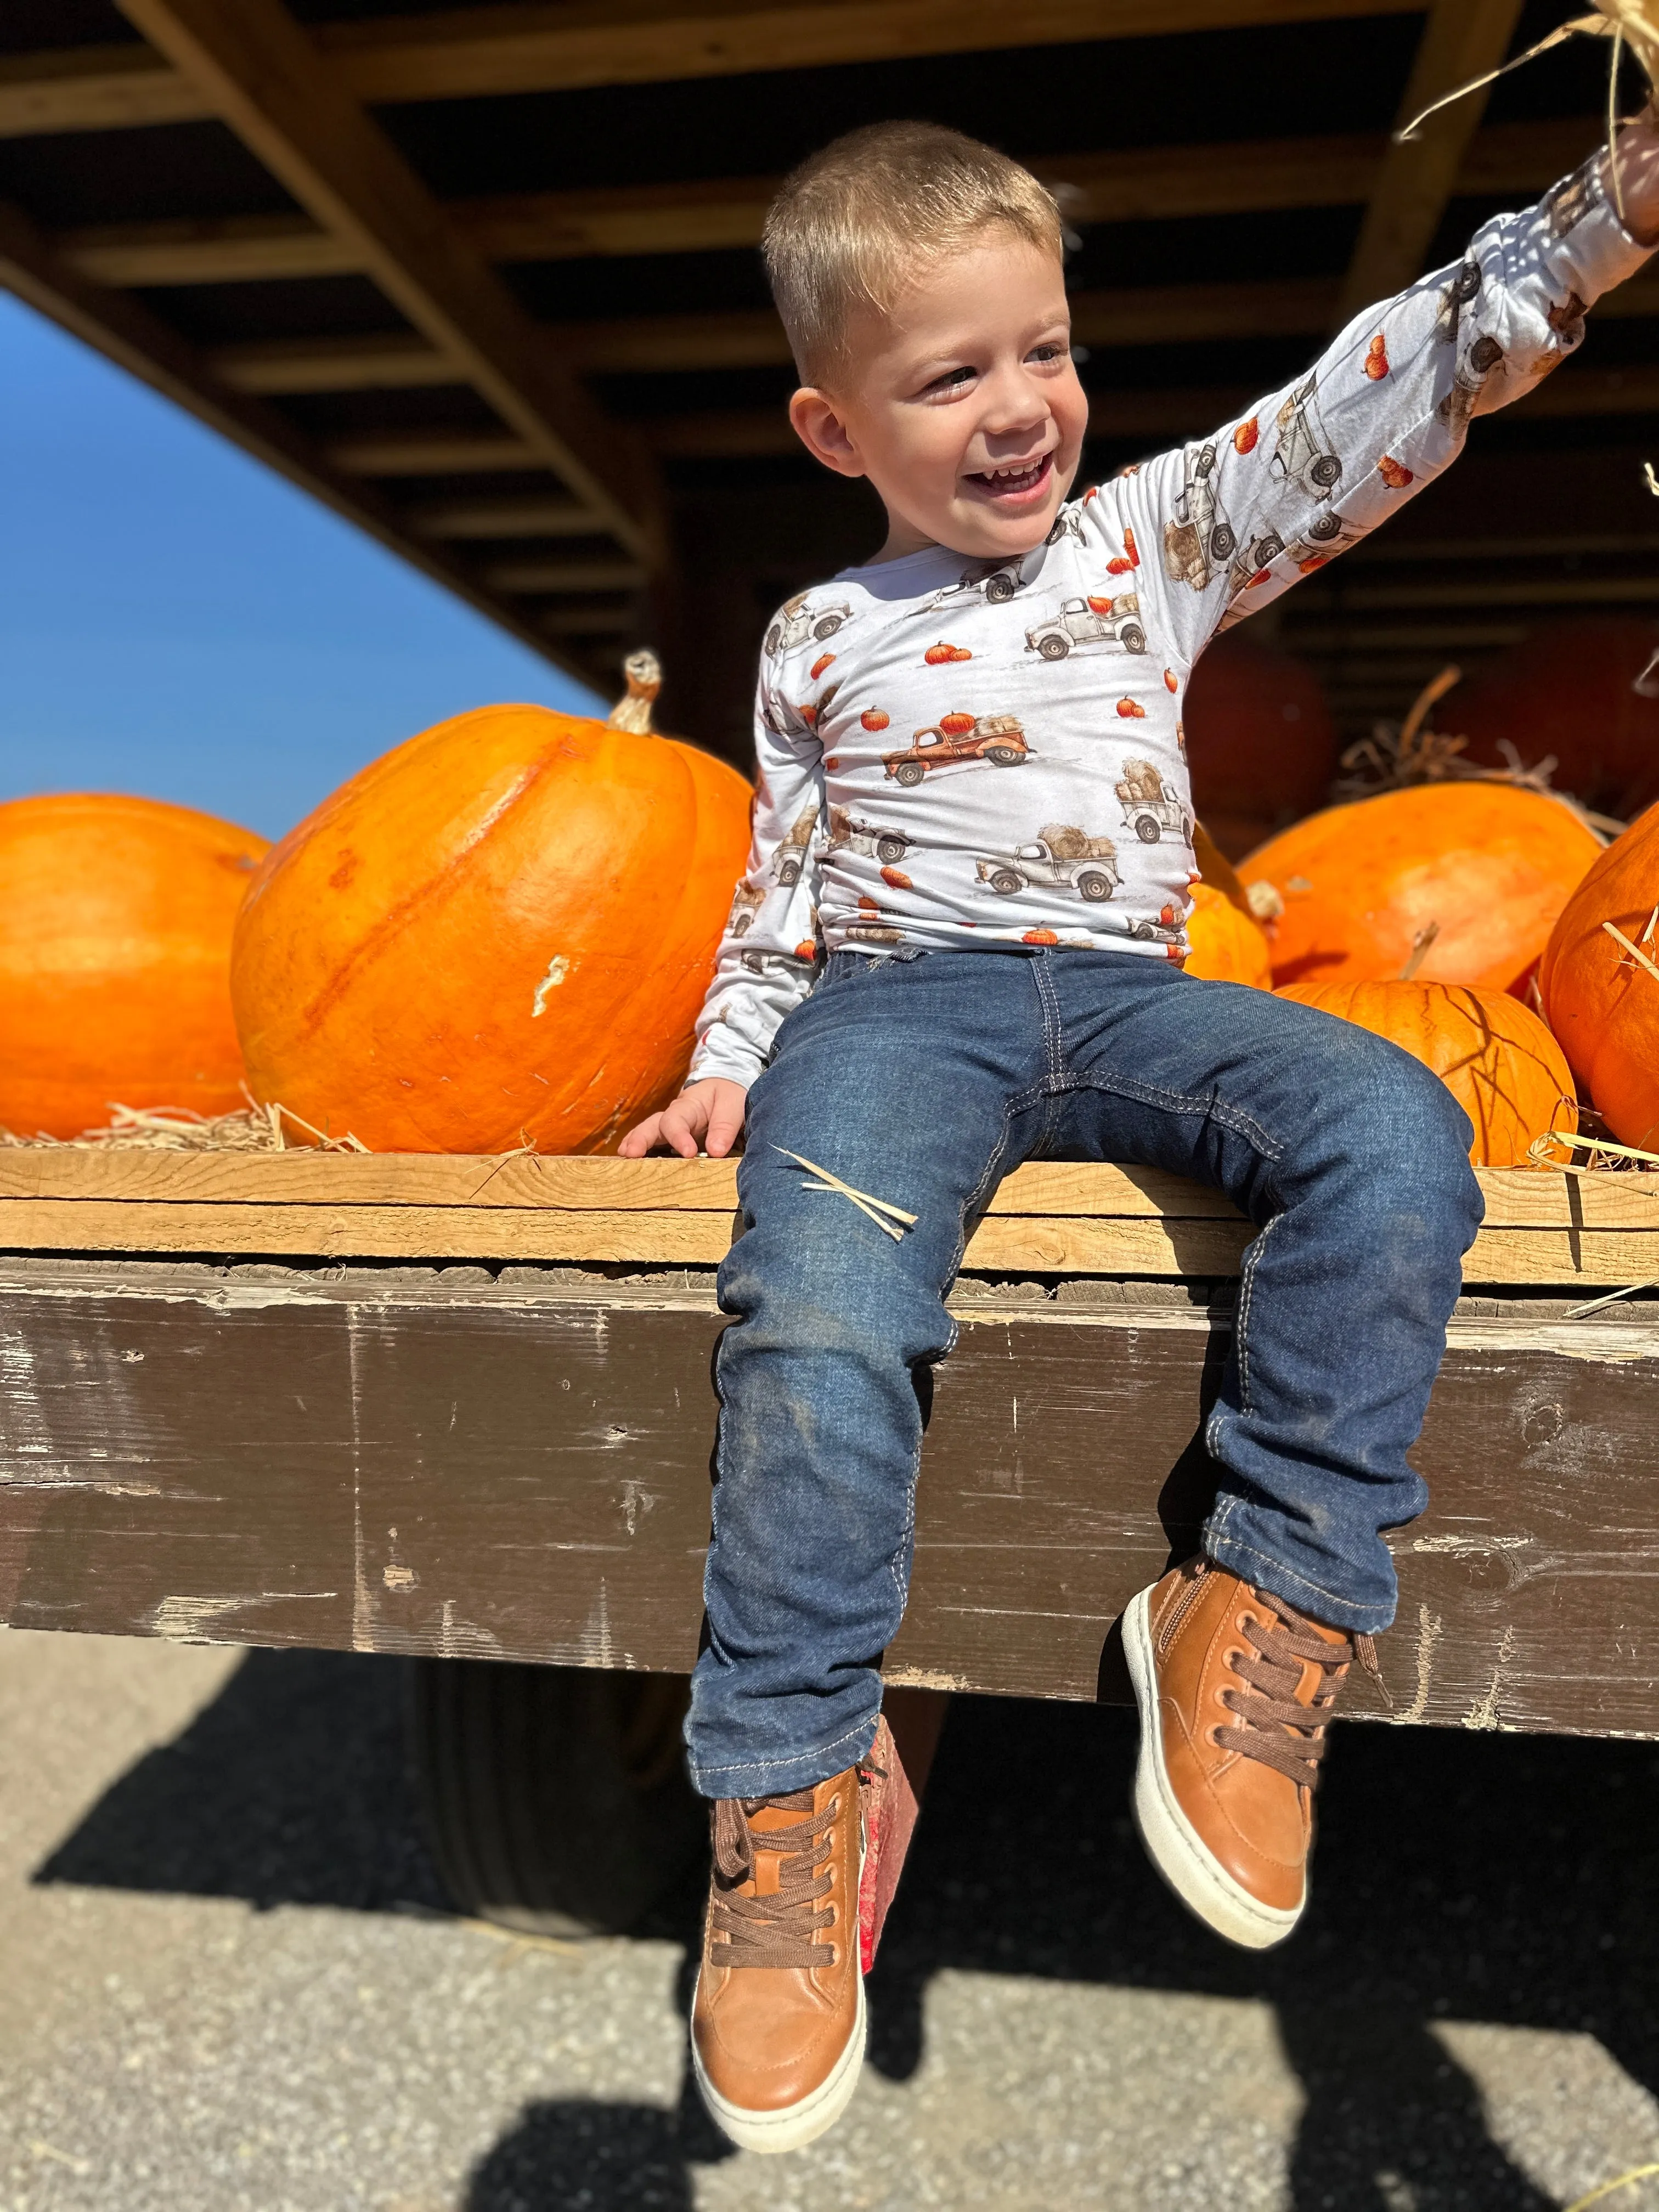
(1052, 351)
(951, 379)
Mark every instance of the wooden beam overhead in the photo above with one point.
(576, 43)
(431, 453)
(1137, 185)
(1461, 40)
(382, 362)
(264, 77)
(582, 43)
(503, 518)
(92, 88)
(534, 576)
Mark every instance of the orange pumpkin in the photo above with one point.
(1489, 866)
(1493, 1055)
(115, 924)
(500, 931)
(1261, 744)
(1601, 1003)
(1227, 945)
(1569, 691)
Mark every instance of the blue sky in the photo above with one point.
(176, 621)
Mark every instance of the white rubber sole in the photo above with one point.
(1173, 1844)
(792, 2126)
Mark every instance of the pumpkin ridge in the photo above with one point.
(413, 902)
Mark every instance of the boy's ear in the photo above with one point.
(820, 427)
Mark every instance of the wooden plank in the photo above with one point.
(1056, 1218)
(1462, 40)
(544, 49)
(103, 87)
(500, 517)
(1136, 183)
(431, 453)
(1515, 1198)
(753, 338)
(264, 77)
(575, 43)
(518, 576)
(521, 1472)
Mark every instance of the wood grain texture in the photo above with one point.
(522, 1471)
(1461, 40)
(699, 216)
(262, 75)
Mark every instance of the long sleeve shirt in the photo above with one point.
(957, 752)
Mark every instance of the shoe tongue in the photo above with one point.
(766, 1813)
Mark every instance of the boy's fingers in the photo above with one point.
(640, 1138)
(724, 1123)
(680, 1128)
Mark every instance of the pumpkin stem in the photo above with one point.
(632, 712)
(1419, 951)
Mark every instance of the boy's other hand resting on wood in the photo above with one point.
(707, 1116)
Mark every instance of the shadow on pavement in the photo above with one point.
(1465, 1877)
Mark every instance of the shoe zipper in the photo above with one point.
(1183, 1605)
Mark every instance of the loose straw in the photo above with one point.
(1635, 2173)
(875, 1207)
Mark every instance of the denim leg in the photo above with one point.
(904, 1080)
(1353, 1160)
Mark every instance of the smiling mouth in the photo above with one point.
(1023, 481)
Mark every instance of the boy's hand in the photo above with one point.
(707, 1116)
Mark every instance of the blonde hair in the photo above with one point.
(855, 221)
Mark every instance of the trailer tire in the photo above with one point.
(555, 1797)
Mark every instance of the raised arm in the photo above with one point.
(1229, 523)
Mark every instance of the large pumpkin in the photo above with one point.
(1493, 1055)
(1603, 1003)
(500, 932)
(1261, 742)
(1227, 945)
(1487, 866)
(115, 923)
(1570, 692)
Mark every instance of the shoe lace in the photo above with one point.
(1274, 1724)
(781, 1929)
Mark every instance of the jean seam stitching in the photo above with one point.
(1304, 1582)
(1241, 1325)
(1180, 1101)
(771, 1766)
(1054, 1082)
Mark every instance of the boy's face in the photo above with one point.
(960, 403)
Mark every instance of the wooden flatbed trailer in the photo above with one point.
(460, 1409)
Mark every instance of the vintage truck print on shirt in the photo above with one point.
(796, 622)
(1152, 804)
(862, 707)
(1198, 539)
(1059, 858)
(848, 835)
(999, 739)
(791, 856)
(1093, 620)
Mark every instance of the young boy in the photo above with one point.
(1007, 667)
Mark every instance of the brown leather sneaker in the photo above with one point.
(777, 2025)
(1234, 1689)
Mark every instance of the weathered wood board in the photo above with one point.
(1056, 1218)
(422, 1462)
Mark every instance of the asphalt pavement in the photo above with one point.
(230, 1982)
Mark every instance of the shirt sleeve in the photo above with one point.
(765, 965)
(1228, 523)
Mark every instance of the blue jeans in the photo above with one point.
(924, 1079)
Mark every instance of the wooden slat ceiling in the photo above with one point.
(484, 278)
